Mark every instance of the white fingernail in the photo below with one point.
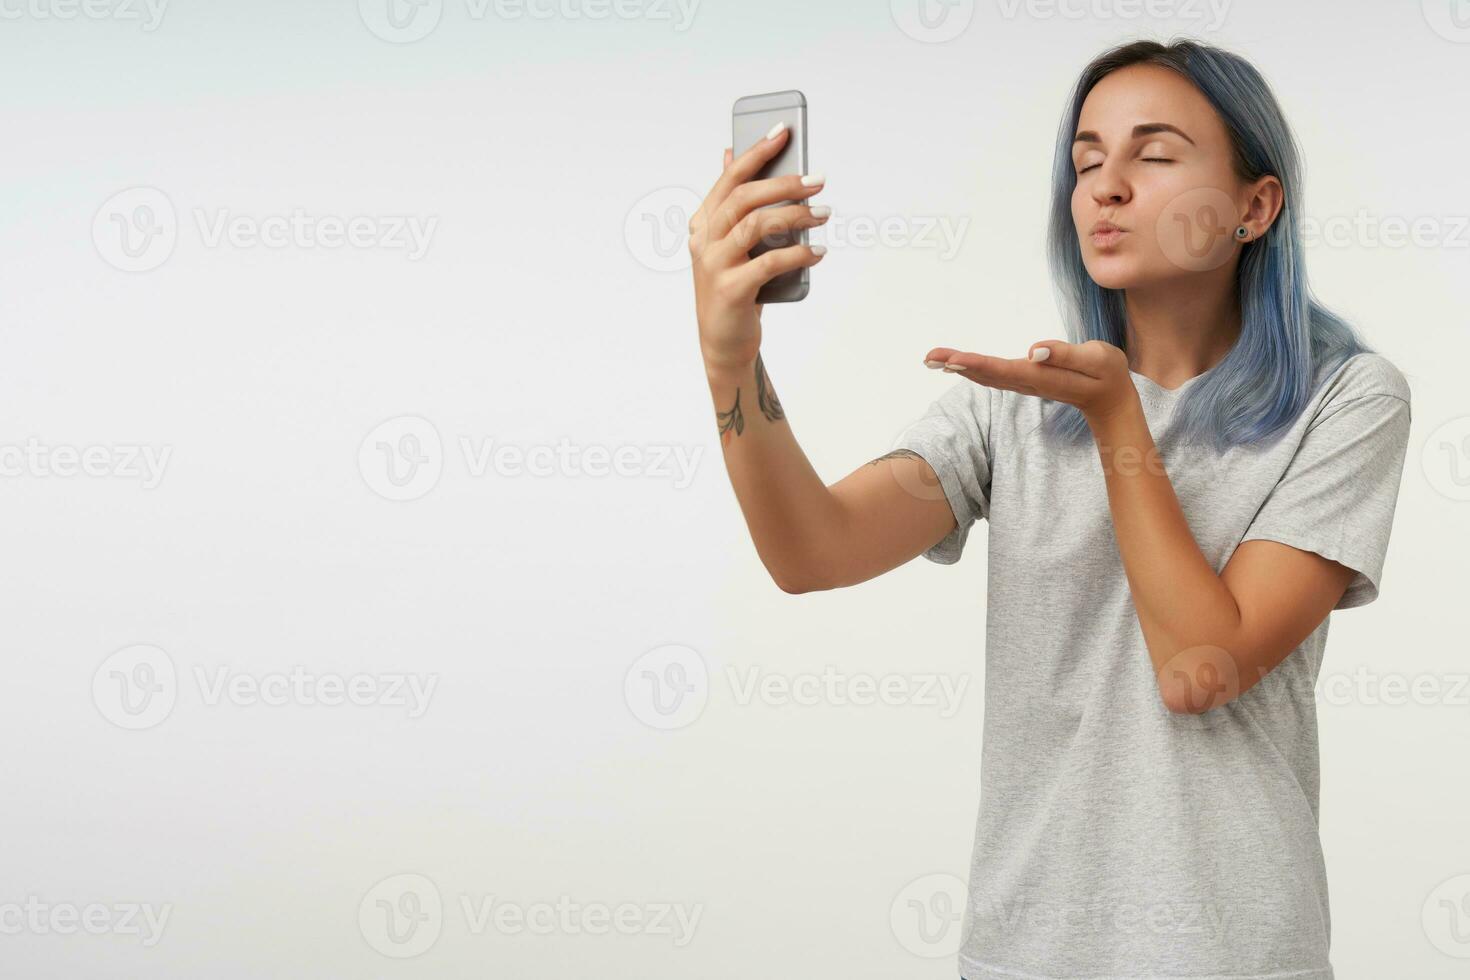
(775, 130)
(812, 180)
(954, 368)
(821, 211)
(936, 365)
(1041, 353)
(819, 250)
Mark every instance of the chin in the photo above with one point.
(1114, 272)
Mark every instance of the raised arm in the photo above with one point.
(810, 536)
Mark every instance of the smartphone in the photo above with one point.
(753, 117)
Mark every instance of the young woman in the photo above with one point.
(1178, 497)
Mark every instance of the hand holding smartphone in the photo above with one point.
(752, 120)
(747, 214)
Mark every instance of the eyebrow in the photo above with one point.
(1142, 129)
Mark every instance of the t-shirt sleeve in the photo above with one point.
(1338, 494)
(953, 437)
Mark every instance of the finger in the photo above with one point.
(1017, 374)
(990, 378)
(1043, 350)
(937, 357)
(1074, 357)
(758, 194)
(754, 274)
(993, 372)
(767, 225)
(728, 155)
(741, 169)
(996, 368)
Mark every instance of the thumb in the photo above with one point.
(1088, 358)
(1056, 352)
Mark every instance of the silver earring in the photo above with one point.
(1242, 233)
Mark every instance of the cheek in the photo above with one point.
(1192, 222)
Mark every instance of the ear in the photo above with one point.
(1263, 205)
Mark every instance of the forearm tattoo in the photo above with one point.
(896, 454)
(765, 394)
(733, 419)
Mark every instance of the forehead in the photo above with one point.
(1145, 94)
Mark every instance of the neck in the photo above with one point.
(1179, 329)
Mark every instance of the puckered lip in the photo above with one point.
(1104, 226)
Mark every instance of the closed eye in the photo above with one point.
(1145, 159)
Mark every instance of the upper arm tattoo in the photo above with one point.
(896, 454)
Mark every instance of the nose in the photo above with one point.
(1109, 187)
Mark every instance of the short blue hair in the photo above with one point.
(1288, 341)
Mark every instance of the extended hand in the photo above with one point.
(1093, 376)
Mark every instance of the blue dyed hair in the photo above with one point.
(1288, 341)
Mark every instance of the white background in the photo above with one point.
(545, 150)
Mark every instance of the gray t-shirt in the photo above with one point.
(1115, 838)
